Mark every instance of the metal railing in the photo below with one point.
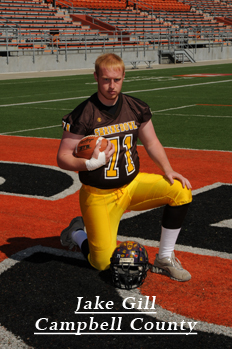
(67, 3)
(142, 5)
(47, 44)
(10, 25)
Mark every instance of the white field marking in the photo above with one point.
(41, 128)
(41, 138)
(42, 108)
(2, 180)
(223, 224)
(7, 336)
(153, 112)
(173, 87)
(167, 316)
(138, 145)
(148, 78)
(30, 129)
(9, 340)
(221, 151)
(182, 248)
(227, 223)
(36, 94)
(182, 107)
(156, 78)
(199, 115)
(137, 91)
(161, 314)
(69, 191)
(23, 81)
(48, 101)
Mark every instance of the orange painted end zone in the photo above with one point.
(206, 297)
(27, 222)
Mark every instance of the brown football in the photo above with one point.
(84, 149)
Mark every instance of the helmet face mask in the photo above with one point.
(129, 265)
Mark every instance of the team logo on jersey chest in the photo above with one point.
(117, 128)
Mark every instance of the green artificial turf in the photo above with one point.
(188, 112)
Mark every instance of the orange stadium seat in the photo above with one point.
(35, 17)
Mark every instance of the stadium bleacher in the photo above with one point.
(67, 24)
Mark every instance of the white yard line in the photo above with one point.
(182, 107)
(30, 129)
(153, 112)
(173, 87)
(48, 101)
(198, 115)
(147, 90)
(42, 128)
(83, 97)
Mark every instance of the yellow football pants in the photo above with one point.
(103, 209)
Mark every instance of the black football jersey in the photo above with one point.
(121, 128)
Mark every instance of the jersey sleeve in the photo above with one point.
(140, 109)
(79, 120)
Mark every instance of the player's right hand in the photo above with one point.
(109, 151)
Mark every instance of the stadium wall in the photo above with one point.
(71, 61)
(53, 62)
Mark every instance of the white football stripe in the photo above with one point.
(227, 223)
(61, 195)
(166, 315)
(161, 315)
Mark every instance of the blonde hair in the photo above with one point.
(109, 60)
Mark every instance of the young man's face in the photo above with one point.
(109, 84)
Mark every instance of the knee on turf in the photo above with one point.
(100, 260)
